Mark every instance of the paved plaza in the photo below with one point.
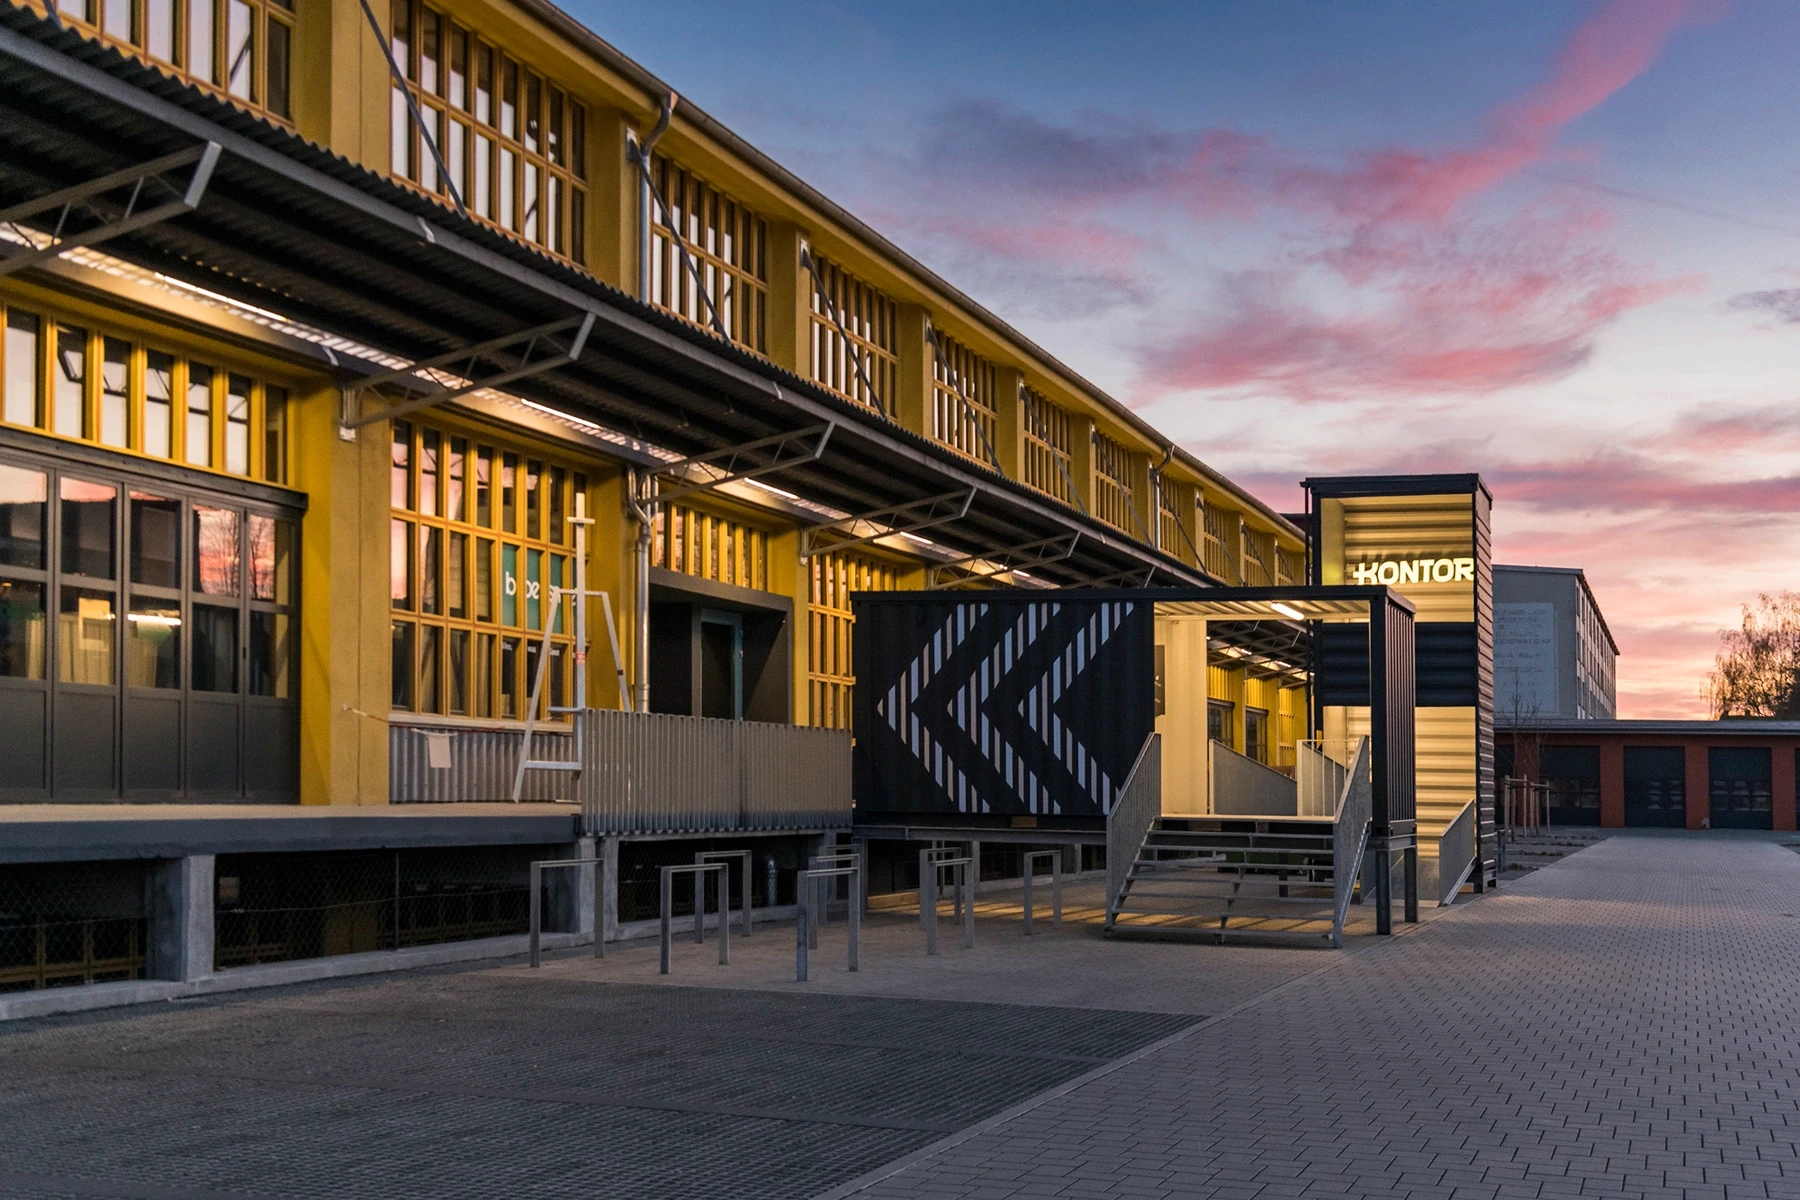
(1618, 1023)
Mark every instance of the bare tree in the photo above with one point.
(1757, 670)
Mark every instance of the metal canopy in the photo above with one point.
(285, 226)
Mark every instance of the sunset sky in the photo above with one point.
(1555, 243)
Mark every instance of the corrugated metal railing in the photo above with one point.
(1350, 836)
(1243, 787)
(1129, 822)
(656, 773)
(644, 773)
(479, 765)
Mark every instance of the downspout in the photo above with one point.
(639, 150)
(639, 499)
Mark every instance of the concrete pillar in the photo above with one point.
(181, 918)
(609, 903)
(583, 889)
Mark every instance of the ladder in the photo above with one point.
(579, 592)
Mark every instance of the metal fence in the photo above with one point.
(68, 924)
(642, 772)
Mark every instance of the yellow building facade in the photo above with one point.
(329, 573)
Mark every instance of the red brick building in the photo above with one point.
(1731, 774)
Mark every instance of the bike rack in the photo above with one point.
(928, 897)
(806, 932)
(699, 871)
(744, 857)
(602, 880)
(1055, 857)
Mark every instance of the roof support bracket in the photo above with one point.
(734, 464)
(82, 203)
(978, 567)
(536, 350)
(911, 517)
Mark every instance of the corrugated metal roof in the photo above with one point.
(288, 226)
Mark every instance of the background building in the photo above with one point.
(1554, 657)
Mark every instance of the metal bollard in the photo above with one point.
(537, 910)
(600, 882)
(968, 913)
(800, 932)
(856, 889)
(928, 905)
(668, 902)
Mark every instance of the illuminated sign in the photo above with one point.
(1413, 570)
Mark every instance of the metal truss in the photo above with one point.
(528, 345)
(750, 460)
(912, 517)
(977, 567)
(1131, 577)
(84, 202)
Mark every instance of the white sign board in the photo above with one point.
(1524, 661)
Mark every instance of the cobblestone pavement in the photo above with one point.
(496, 1083)
(1622, 1023)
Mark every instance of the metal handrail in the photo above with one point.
(743, 856)
(1129, 822)
(929, 867)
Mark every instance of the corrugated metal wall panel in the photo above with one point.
(482, 762)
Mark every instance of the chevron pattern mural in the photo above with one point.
(978, 707)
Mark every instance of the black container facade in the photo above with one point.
(1009, 707)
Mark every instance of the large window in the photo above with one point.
(147, 636)
(478, 535)
(728, 244)
(962, 400)
(1047, 446)
(1220, 533)
(239, 48)
(513, 142)
(691, 541)
(82, 383)
(871, 320)
(1116, 479)
(829, 672)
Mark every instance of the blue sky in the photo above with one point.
(1318, 238)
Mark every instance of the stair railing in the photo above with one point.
(1456, 854)
(1128, 824)
(1350, 837)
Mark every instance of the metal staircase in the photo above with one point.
(1263, 877)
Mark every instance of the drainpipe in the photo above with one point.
(640, 488)
(638, 150)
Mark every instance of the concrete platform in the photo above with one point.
(77, 832)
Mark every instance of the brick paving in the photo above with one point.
(1623, 1023)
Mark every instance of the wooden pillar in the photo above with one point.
(790, 300)
(1612, 784)
(1081, 456)
(1009, 420)
(912, 399)
(1699, 785)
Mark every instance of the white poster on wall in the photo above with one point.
(1524, 661)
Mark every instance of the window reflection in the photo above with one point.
(155, 540)
(22, 500)
(217, 556)
(271, 559)
(271, 654)
(159, 403)
(84, 632)
(87, 528)
(21, 629)
(70, 383)
(153, 643)
(215, 641)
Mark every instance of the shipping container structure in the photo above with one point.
(1090, 716)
